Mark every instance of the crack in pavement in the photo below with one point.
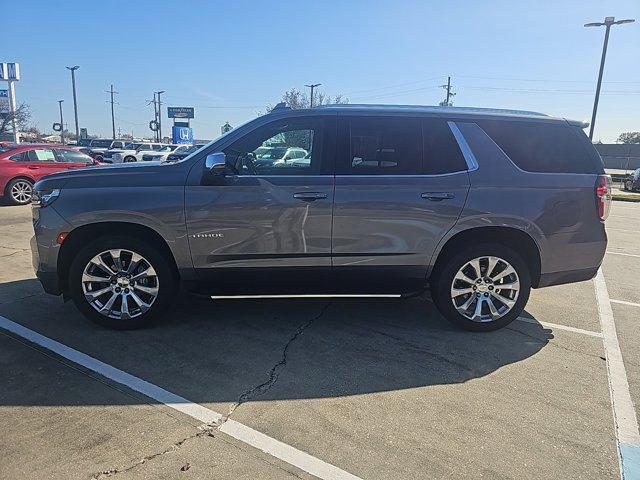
(274, 372)
(205, 430)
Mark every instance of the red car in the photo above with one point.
(23, 165)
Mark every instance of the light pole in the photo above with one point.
(159, 117)
(312, 86)
(608, 21)
(61, 123)
(75, 101)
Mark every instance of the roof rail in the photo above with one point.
(280, 106)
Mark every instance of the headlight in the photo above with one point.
(42, 198)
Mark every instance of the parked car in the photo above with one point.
(99, 146)
(163, 153)
(84, 142)
(477, 206)
(271, 155)
(22, 165)
(632, 181)
(179, 154)
(133, 152)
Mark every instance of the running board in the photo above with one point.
(310, 295)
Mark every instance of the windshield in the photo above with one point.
(167, 148)
(101, 143)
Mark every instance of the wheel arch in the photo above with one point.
(80, 236)
(519, 241)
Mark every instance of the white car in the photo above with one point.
(164, 152)
(133, 152)
(99, 146)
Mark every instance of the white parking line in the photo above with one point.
(561, 327)
(271, 446)
(624, 414)
(624, 302)
(624, 254)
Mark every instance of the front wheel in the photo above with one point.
(483, 288)
(18, 191)
(121, 283)
(129, 159)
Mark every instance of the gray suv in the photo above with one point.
(476, 205)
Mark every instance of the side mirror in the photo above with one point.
(216, 164)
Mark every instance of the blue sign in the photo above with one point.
(180, 112)
(182, 134)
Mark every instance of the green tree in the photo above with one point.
(629, 137)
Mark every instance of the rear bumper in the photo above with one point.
(570, 276)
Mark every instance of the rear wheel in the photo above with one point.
(129, 159)
(121, 283)
(483, 288)
(18, 191)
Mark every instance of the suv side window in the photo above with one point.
(441, 151)
(539, 147)
(382, 146)
(266, 150)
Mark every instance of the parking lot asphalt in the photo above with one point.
(378, 388)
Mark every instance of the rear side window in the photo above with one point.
(536, 147)
(384, 146)
(441, 151)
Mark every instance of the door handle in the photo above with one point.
(437, 196)
(309, 196)
(33, 167)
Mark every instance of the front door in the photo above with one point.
(401, 184)
(270, 220)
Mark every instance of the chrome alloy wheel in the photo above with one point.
(120, 284)
(21, 191)
(485, 289)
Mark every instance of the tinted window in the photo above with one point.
(101, 143)
(19, 157)
(72, 156)
(384, 146)
(41, 155)
(537, 147)
(266, 151)
(441, 151)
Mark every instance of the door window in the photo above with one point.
(441, 151)
(286, 147)
(71, 156)
(383, 146)
(41, 155)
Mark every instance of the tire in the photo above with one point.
(129, 159)
(18, 191)
(505, 312)
(150, 304)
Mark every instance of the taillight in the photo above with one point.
(603, 196)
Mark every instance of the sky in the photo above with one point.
(231, 59)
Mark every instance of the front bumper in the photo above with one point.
(47, 225)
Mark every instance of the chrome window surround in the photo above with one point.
(468, 155)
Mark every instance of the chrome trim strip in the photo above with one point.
(468, 155)
(310, 295)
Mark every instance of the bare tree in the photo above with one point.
(629, 137)
(295, 99)
(22, 116)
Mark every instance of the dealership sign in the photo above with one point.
(180, 112)
(182, 134)
(5, 107)
(9, 71)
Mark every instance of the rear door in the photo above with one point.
(401, 184)
(267, 218)
(43, 161)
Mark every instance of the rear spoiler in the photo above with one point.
(577, 123)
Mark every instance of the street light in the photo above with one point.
(608, 21)
(75, 102)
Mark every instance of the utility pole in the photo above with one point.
(312, 86)
(159, 116)
(608, 22)
(155, 114)
(448, 102)
(75, 101)
(61, 123)
(113, 117)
